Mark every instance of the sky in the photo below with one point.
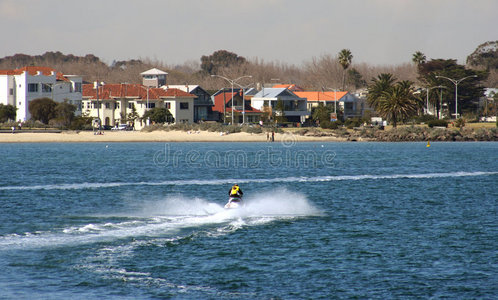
(378, 32)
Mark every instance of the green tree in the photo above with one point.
(279, 112)
(266, 112)
(486, 56)
(419, 58)
(158, 115)
(65, 112)
(42, 109)
(398, 103)
(7, 112)
(321, 113)
(355, 78)
(345, 59)
(469, 90)
(384, 82)
(133, 115)
(220, 59)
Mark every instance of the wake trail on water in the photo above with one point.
(171, 219)
(89, 185)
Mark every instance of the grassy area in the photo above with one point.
(481, 125)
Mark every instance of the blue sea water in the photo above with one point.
(321, 221)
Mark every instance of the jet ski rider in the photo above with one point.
(235, 192)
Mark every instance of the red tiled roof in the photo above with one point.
(321, 96)
(113, 91)
(291, 87)
(34, 71)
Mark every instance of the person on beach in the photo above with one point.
(235, 192)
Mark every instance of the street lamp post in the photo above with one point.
(232, 82)
(456, 82)
(97, 85)
(335, 99)
(428, 89)
(243, 100)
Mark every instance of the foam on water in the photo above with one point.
(89, 185)
(167, 217)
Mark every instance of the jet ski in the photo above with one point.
(234, 202)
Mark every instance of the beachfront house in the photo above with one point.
(295, 107)
(243, 112)
(116, 104)
(18, 87)
(349, 104)
(203, 104)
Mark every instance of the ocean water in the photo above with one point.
(320, 221)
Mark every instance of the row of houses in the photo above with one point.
(115, 104)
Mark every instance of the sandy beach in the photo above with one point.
(155, 136)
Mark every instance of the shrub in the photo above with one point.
(81, 123)
(460, 123)
(437, 123)
(329, 125)
(424, 119)
(353, 122)
(252, 129)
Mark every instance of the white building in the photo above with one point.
(20, 86)
(116, 104)
(295, 107)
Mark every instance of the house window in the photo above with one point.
(77, 87)
(46, 88)
(32, 87)
(167, 105)
(130, 105)
(152, 105)
(183, 105)
(107, 105)
(11, 92)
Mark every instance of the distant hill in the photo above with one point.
(88, 66)
(486, 56)
(49, 58)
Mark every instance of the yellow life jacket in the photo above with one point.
(234, 191)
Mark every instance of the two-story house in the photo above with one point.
(19, 87)
(117, 104)
(295, 107)
(203, 103)
(346, 102)
(234, 105)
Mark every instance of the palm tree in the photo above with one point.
(419, 58)
(379, 85)
(345, 58)
(398, 103)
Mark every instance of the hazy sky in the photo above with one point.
(378, 32)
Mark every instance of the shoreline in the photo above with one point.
(154, 136)
(406, 134)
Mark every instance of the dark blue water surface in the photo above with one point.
(321, 221)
